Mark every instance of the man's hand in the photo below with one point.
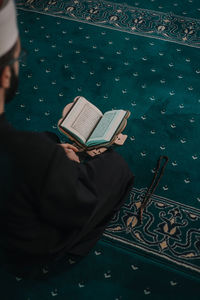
(98, 151)
(70, 151)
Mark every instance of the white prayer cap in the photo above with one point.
(8, 26)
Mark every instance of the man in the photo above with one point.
(51, 205)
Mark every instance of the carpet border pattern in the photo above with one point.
(122, 17)
(169, 230)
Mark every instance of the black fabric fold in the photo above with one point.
(50, 205)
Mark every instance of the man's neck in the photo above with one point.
(2, 105)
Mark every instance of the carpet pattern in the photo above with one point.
(169, 230)
(156, 80)
(189, 8)
(142, 56)
(123, 17)
(97, 277)
(115, 65)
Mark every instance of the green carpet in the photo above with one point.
(142, 58)
(107, 273)
(189, 8)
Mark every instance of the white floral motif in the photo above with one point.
(147, 291)
(54, 293)
(134, 268)
(81, 285)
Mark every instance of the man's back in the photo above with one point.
(53, 202)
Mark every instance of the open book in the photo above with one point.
(85, 124)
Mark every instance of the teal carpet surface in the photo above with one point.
(142, 56)
(109, 273)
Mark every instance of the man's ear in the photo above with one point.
(5, 78)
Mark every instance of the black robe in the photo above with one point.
(50, 205)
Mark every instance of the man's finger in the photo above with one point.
(77, 160)
(69, 146)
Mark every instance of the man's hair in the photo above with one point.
(6, 58)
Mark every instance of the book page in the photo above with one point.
(106, 127)
(82, 119)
